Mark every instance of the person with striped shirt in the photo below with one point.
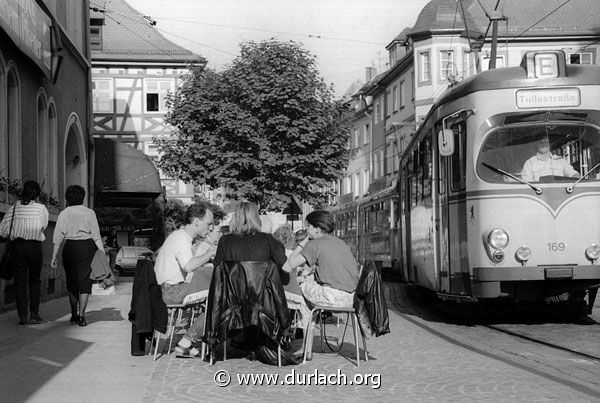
(29, 220)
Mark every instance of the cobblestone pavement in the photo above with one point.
(58, 362)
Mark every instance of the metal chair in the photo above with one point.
(195, 302)
(319, 309)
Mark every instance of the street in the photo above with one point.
(424, 358)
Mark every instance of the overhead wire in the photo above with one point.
(274, 32)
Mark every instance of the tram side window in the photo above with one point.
(418, 176)
(426, 166)
(458, 163)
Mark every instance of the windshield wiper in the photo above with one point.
(570, 188)
(500, 171)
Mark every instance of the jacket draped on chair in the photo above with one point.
(244, 294)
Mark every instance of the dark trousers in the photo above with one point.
(26, 260)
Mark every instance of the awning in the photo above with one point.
(123, 176)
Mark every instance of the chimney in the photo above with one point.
(370, 73)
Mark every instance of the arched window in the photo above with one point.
(52, 160)
(3, 112)
(13, 122)
(42, 139)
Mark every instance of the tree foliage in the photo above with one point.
(265, 129)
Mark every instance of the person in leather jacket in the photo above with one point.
(249, 260)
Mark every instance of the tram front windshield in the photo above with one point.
(541, 153)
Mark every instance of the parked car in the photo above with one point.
(128, 256)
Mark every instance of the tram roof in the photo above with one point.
(516, 77)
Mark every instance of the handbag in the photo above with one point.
(6, 271)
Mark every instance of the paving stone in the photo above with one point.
(64, 363)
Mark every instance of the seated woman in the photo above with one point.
(337, 271)
(246, 246)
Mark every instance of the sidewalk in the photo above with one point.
(58, 362)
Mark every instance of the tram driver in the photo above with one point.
(544, 163)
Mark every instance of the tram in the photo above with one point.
(498, 193)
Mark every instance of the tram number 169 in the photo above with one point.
(556, 246)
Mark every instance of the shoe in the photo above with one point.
(189, 352)
(35, 318)
(22, 322)
(74, 319)
(299, 334)
(82, 321)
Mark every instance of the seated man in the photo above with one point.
(175, 260)
(336, 273)
(545, 163)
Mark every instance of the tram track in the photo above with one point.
(543, 342)
(548, 360)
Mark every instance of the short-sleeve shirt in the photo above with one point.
(336, 266)
(174, 254)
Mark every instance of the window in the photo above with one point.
(355, 138)
(42, 139)
(394, 98)
(13, 125)
(367, 133)
(500, 62)
(382, 161)
(425, 68)
(401, 95)
(388, 103)
(96, 37)
(52, 152)
(458, 163)
(581, 58)
(366, 181)
(357, 187)
(425, 160)
(446, 64)
(412, 85)
(377, 112)
(389, 166)
(102, 95)
(514, 149)
(156, 92)
(466, 64)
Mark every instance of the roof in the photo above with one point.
(127, 36)
(444, 15)
(556, 17)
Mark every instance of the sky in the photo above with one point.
(346, 35)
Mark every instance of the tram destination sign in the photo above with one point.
(548, 97)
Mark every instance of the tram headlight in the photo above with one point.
(523, 254)
(593, 252)
(498, 238)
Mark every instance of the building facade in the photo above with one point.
(134, 68)
(44, 112)
(448, 44)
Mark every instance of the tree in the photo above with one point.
(267, 128)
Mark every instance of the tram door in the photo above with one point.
(441, 223)
(451, 218)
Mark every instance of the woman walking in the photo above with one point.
(78, 227)
(29, 219)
